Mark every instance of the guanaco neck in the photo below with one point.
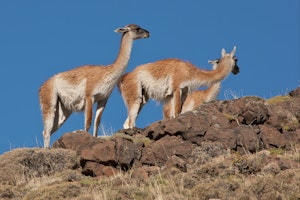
(214, 76)
(122, 59)
(213, 91)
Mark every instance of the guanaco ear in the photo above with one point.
(216, 61)
(122, 30)
(233, 51)
(223, 52)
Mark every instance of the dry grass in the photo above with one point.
(267, 174)
(277, 99)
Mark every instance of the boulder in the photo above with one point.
(74, 140)
(160, 151)
(99, 153)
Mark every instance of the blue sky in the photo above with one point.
(41, 38)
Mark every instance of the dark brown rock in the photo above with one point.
(293, 137)
(116, 152)
(95, 169)
(271, 137)
(225, 136)
(250, 110)
(155, 130)
(101, 152)
(248, 139)
(158, 152)
(74, 140)
(284, 112)
(245, 125)
(131, 131)
(195, 125)
(295, 93)
(241, 138)
(125, 152)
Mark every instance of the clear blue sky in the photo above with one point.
(41, 38)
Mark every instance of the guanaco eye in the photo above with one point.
(235, 58)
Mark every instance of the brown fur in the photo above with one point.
(78, 89)
(196, 98)
(168, 81)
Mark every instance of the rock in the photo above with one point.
(295, 93)
(284, 112)
(100, 156)
(188, 125)
(158, 152)
(155, 131)
(248, 110)
(252, 110)
(125, 151)
(131, 131)
(292, 136)
(115, 153)
(217, 121)
(271, 137)
(102, 152)
(245, 125)
(74, 140)
(242, 138)
(95, 169)
(224, 135)
(248, 139)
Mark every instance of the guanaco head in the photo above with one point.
(231, 60)
(235, 69)
(214, 63)
(135, 31)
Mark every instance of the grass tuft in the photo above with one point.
(277, 99)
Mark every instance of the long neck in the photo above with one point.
(213, 76)
(213, 91)
(122, 59)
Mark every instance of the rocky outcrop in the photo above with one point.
(247, 147)
(100, 156)
(245, 125)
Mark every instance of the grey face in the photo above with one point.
(142, 33)
(137, 31)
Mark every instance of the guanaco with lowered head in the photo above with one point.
(78, 89)
(168, 81)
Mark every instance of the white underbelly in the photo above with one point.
(157, 89)
(71, 96)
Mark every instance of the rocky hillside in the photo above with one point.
(246, 148)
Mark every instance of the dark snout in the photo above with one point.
(146, 34)
(235, 70)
